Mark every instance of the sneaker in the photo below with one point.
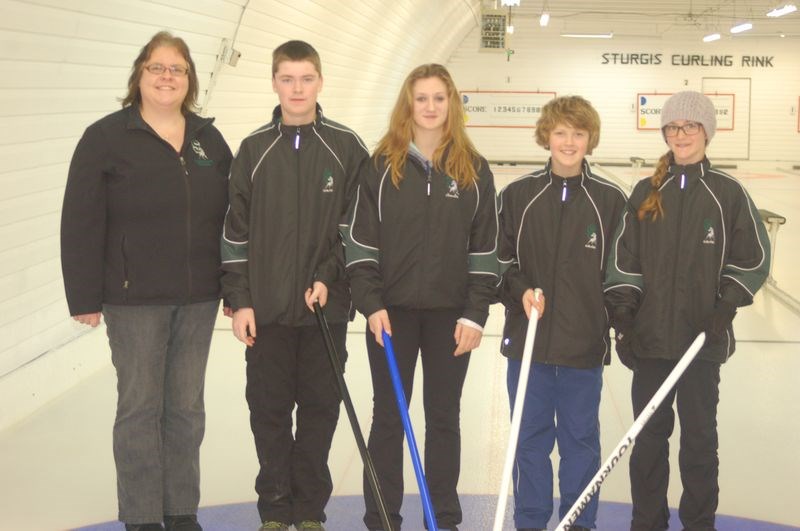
(181, 522)
(310, 524)
(279, 526)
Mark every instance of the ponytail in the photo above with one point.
(651, 207)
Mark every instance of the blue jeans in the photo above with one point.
(561, 403)
(160, 354)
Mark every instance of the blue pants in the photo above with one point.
(561, 404)
(160, 354)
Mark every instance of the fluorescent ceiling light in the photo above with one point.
(544, 19)
(780, 11)
(588, 35)
(744, 26)
(712, 37)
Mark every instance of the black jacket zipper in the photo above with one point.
(298, 179)
(125, 281)
(188, 227)
(552, 298)
(678, 239)
(425, 229)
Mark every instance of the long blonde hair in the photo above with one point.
(461, 154)
(651, 206)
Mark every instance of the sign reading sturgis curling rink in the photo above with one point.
(648, 110)
(510, 109)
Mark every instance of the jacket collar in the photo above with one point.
(193, 122)
(277, 119)
(415, 154)
(572, 182)
(698, 169)
(688, 174)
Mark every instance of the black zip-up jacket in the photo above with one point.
(555, 235)
(427, 245)
(141, 223)
(290, 188)
(710, 245)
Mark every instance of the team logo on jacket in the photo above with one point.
(327, 181)
(202, 159)
(452, 189)
(709, 238)
(591, 237)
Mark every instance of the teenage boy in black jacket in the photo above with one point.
(555, 229)
(290, 187)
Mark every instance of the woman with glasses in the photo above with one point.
(689, 251)
(141, 223)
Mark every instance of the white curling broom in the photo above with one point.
(516, 417)
(630, 437)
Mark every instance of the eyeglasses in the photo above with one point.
(689, 129)
(175, 70)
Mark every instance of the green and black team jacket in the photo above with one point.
(141, 223)
(555, 234)
(427, 245)
(290, 188)
(710, 245)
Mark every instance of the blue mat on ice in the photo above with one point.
(345, 513)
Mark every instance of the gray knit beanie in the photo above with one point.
(692, 106)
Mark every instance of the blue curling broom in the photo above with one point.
(402, 406)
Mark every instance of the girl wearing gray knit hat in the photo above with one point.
(689, 106)
(690, 249)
